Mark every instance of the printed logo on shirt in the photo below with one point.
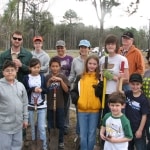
(54, 85)
(133, 104)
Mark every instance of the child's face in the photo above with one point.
(111, 47)
(135, 87)
(9, 73)
(55, 67)
(116, 109)
(38, 45)
(35, 70)
(84, 51)
(92, 65)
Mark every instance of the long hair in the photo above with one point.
(97, 75)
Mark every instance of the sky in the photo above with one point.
(86, 11)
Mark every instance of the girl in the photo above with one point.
(36, 88)
(112, 73)
(88, 104)
(56, 82)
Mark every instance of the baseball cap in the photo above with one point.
(84, 43)
(128, 34)
(60, 43)
(37, 38)
(135, 77)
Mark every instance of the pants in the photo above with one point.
(11, 141)
(140, 144)
(59, 122)
(88, 125)
(41, 115)
(148, 131)
(66, 110)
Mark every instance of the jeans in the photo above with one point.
(66, 109)
(148, 131)
(41, 115)
(59, 122)
(140, 144)
(11, 141)
(77, 123)
(88, 124)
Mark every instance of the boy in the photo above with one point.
(57, 85)
(136, 111)
(13, 108)
(116, 125)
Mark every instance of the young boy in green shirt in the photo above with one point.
(115, 124)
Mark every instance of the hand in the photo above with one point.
(55, 79)
(38, 90)
(25, 125)
(103, 137)
(138, 134)
(111, 139)
(17, 62)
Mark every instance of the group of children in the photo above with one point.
(117, 130)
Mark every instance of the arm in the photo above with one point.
(45, 67)
(118, 140)
(138, 133)
(102, 133)
(72, 75)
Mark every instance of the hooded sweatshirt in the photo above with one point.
(44, 59)
(13, 106)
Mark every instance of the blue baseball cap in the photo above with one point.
(84, 43)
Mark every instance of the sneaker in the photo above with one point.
(61, 145)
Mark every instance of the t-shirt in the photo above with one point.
(118, 127)
(59, 92)
(65, 64)
(114, 66)
(135, 108)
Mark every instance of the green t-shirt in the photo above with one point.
(118, 127)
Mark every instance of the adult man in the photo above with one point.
(133, 54)
(66, 62)
(17, 54)
(41, 54)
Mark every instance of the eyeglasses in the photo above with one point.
(19, 39)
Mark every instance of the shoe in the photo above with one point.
(61, 145)
(66, 132)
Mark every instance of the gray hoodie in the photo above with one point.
(77, 68)
(44, 59)
(13, 106)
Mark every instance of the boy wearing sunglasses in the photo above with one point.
(19, 55)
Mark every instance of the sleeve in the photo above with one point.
(1, 66)
(140, 65)
(105, 118)
(25, 104)
(125, 62)
(72, 73)
(44, 88)
(144, 106)
(66, 81)
(126, 128)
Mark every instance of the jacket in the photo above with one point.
(24, 56)
(13, 106)
(84, 94)
(135, 60)
(31, 89)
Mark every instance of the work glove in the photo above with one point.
(107, 74)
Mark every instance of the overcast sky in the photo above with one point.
(87, 12)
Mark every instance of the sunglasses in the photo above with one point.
(19, 39)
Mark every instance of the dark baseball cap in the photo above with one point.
(60, 43)
(128, 34)
(135, 77)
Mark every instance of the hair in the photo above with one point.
(9, 63)
(98, 67)
(54, 59)
(17, 32)
(117, 97)
(112, 39)
(34, 62)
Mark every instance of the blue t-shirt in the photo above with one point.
(135, 108)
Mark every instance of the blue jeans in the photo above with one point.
(59, 122)
(148, 131)
(88, 124)
(140, 144)
(11, 141)
(77, 123)
(41, 115)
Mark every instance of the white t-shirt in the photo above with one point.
(35, 81)
(114, 65)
